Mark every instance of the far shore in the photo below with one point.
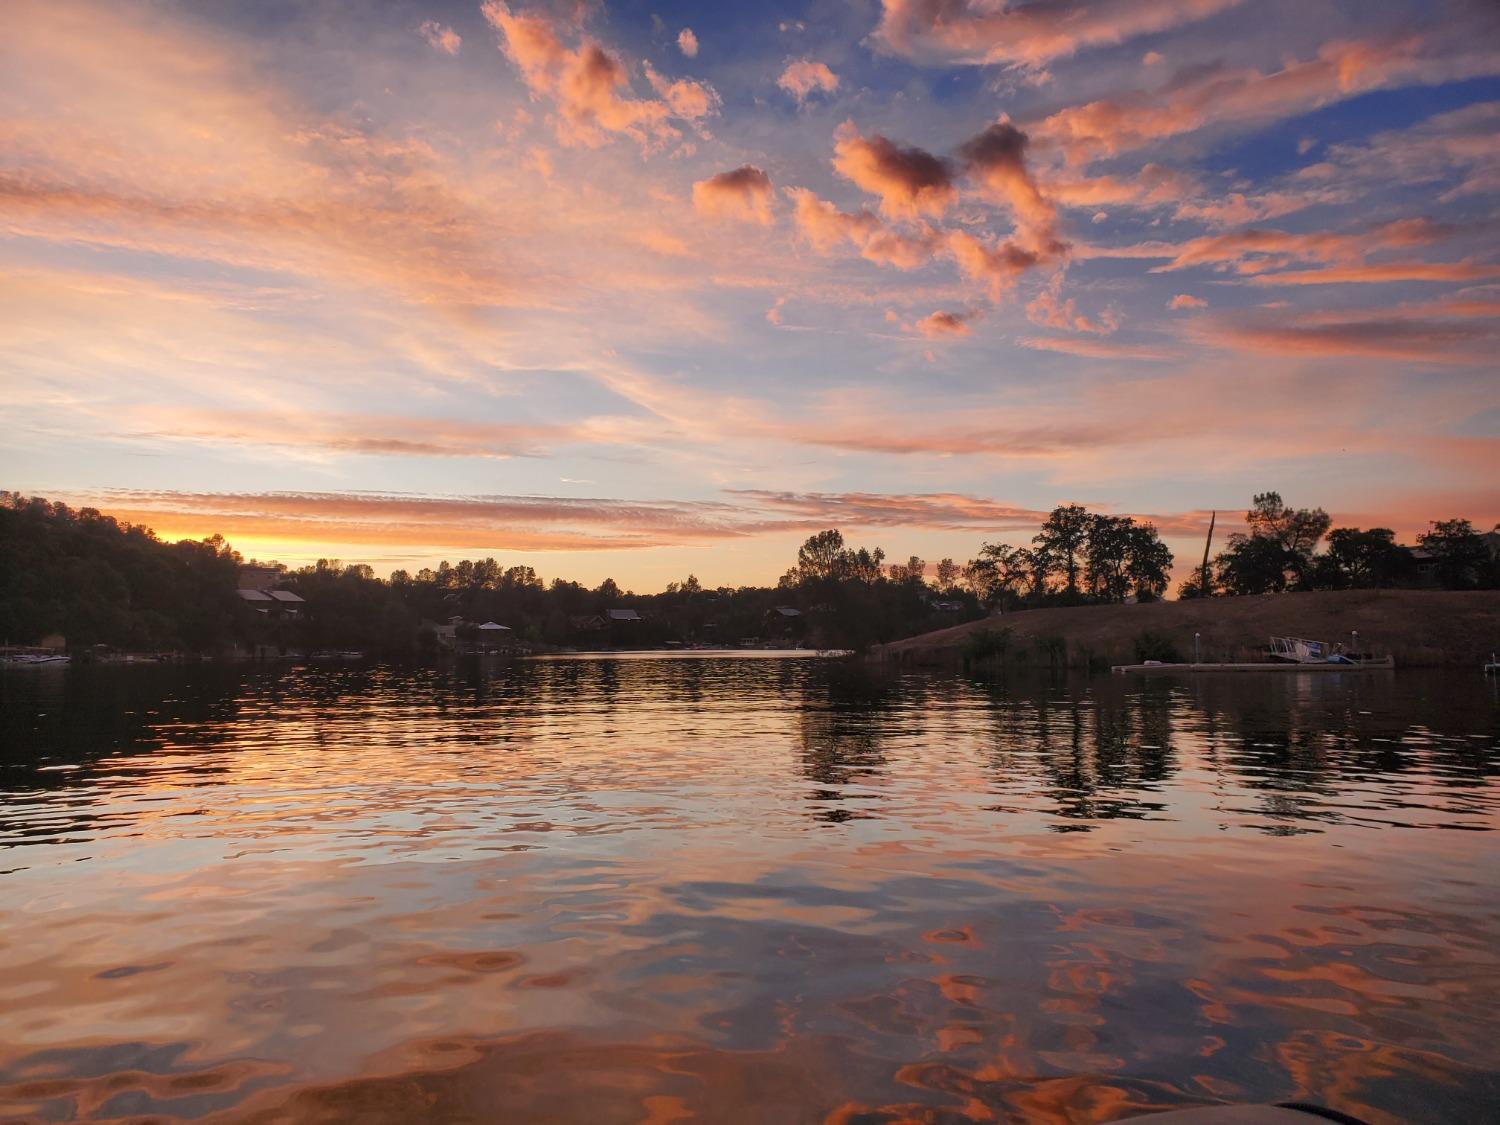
(1419, 628)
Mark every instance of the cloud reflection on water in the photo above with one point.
(626, 891)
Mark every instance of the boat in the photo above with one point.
(1301, 651)
(35, 660)
(1284, 654)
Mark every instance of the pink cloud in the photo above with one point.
(997, 265)
(996, 160)
(1371, 335)
(441, 38)
(1094, 349)
(1257, 250)
(1382, 272)
(1049, 310)
(1186, 301)
(743, 193)
(909, 181)
(1152, 186)
(950, 31)
(687, 43)
(940, 324)
(1220, 96)
(828, 229)
(803, 77)
(590, 86)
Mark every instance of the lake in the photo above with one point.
(743, 890)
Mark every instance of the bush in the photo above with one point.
(985, 644)
(1156, 646)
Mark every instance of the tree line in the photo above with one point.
(82, 574)
(1279, 552)
(1078, 557)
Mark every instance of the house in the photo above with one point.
(614, 615)
(260, 577)
(491, 637)
(258, 586)
(273, 603)
(783, 621)
(290, 604)
(447, 635)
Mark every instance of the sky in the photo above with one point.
(642, 290)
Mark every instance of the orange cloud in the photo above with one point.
(590, 86)
(434, 524)
(978, 31)
(1219, 96)
(996, 159)
(1257, 250)
(1049, 310)
(687, 43)
(909, 181)
(743, 193)
(1382, 272)
(827, 228)
(1094, 349)
(441, 38)
(1186, 301)
(996, 264)
(1367, 333)
(939, 324)
(803, 77)
(1152, 186)
(354, 433)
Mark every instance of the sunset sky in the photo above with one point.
(640, 290)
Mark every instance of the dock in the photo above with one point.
(1260, 666)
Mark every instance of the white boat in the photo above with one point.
(34, 660)
(1300, 650)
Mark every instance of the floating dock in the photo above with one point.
(1261, 666)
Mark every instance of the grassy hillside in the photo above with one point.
(1420, 628)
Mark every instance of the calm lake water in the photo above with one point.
(743, 891)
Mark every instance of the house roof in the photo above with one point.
(788, 611)
(255, 595)
(623, 615)
(285, 596)
(490, 626)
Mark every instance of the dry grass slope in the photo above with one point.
(1421, 628)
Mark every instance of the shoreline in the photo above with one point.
(1419, 628)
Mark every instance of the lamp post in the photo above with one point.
(1197, 655)
(1353, 640)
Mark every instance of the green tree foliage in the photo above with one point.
(1078, 556)
(1061, 545)
(98, 581)
(1460, 557)
(1276, 553)
(1362, 559)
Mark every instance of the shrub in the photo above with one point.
(1156, 646)
(984, 644)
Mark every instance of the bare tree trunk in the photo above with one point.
(1207, 546)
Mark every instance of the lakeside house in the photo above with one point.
(459, 636)
(261, 586)
(273, 603)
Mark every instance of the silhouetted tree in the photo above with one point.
(1460, 557)
(1060, 546)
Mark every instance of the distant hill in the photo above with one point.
(1421, 628)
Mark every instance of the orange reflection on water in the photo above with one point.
(741, 891)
